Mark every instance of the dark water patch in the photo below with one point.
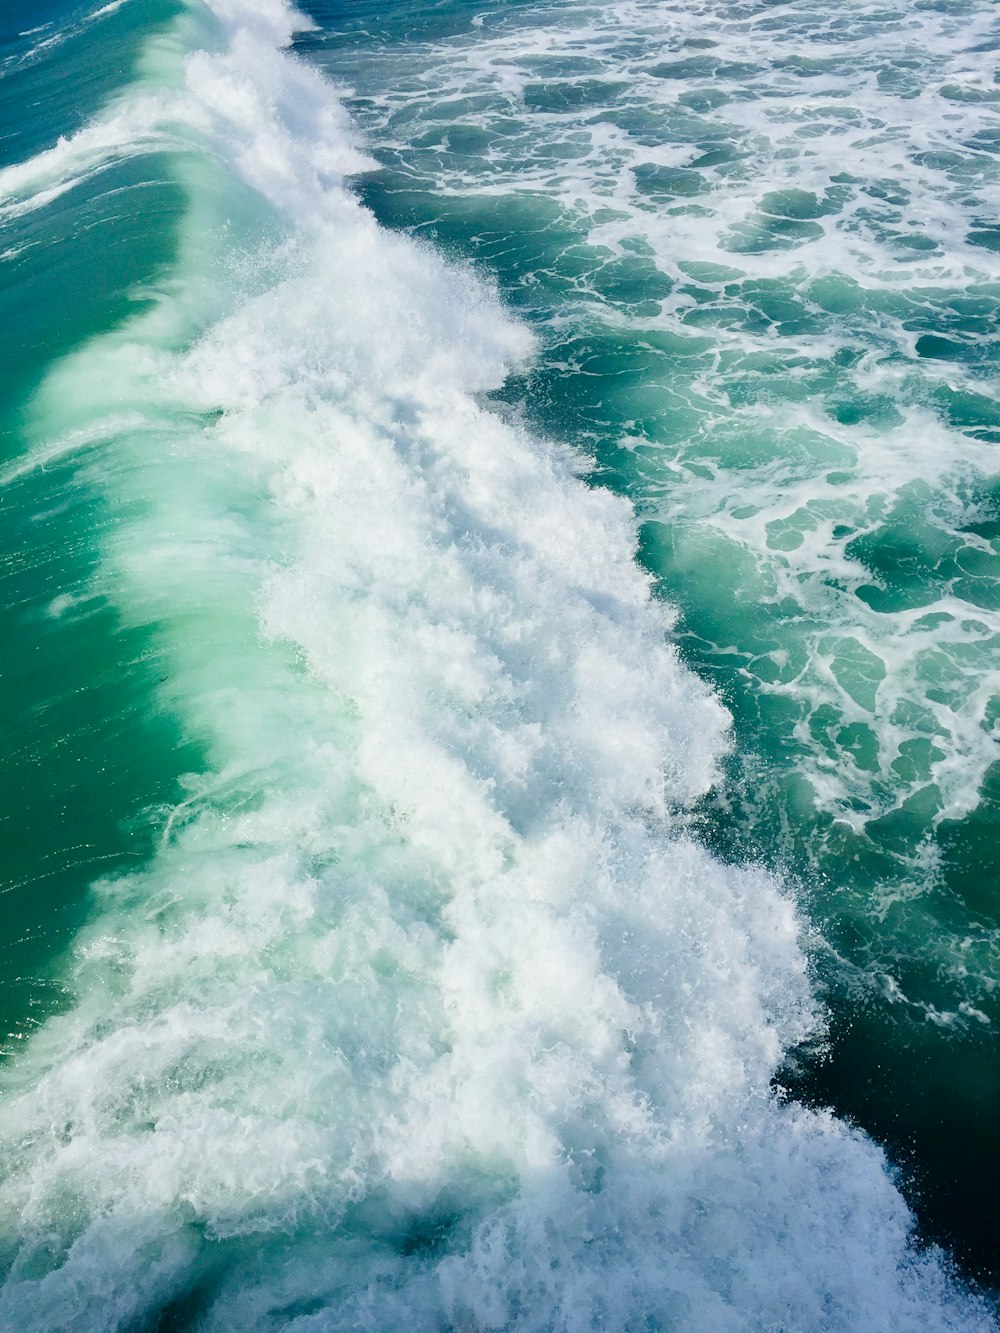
(930, 1104)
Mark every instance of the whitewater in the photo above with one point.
(429, 1011)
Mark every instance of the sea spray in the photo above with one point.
(428, 1012)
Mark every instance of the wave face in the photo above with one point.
(427, 1010)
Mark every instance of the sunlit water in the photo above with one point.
(400, 934)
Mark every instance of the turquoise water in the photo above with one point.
(84, 754)
(420, 914)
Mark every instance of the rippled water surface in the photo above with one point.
(417, 913)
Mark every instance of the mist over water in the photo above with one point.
(424, 1003)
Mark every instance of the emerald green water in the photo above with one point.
(85, 754)
(391, 938)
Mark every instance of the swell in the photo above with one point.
(428, 1011)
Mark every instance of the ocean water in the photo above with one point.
(758, 245)
(500, 626)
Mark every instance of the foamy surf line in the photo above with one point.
(428, 1013)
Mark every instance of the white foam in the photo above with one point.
(428, 1013)
(105, 10)
(799, 101)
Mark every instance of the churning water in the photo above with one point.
(419, 914)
